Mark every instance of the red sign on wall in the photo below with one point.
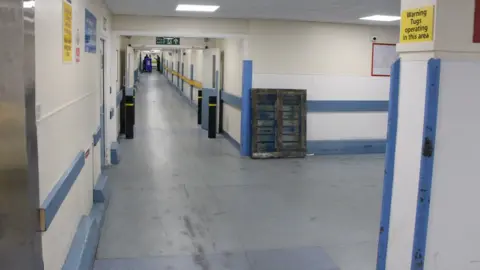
(77, 55)
(476, 23)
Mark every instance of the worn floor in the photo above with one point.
(180, 201)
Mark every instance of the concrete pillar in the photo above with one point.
(434, 216)
(20, 243)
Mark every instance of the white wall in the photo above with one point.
(413, 76)
(68, 96)
(136, 61)
(284, 47)
(187, 63)
(330, 61)
(176, 26)
(453, 241)
(131, 66)
(232, 48)
(197, 59)
(208, 72)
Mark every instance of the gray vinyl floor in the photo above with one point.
(180, 201)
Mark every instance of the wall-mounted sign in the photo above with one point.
(417, 25)
(77, 55)
(90, 32)
(67, 32)
(77, 47)
(383, 57)
(167, 40)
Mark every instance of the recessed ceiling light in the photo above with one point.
(381, 18)
(28, 4)
(197, 8)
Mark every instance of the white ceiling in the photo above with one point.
(345, 11)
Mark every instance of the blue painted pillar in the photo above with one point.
(389, 166)
(246, 127)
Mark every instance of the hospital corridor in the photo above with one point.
(239, 135)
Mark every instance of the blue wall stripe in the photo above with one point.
(100, 192)
(231, 100)
(57, 195)
(246, 128)
(97, 136)
(347, 105)
(389, 166)
(115, 153)
(346, 147)
(426, 165)
(84, 245)
(119, 98)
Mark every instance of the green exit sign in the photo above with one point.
(168, 41)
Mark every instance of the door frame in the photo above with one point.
(102, 107)
(221, 85)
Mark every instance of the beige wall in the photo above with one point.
(282, 47)
(177, 26)
(68, 101)
(234, 57)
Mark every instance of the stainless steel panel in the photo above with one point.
(20, 243)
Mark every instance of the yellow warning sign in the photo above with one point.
(417, 25)
(67, 33)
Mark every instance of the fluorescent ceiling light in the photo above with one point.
(28, 4)
(197, 8)
(381, 18)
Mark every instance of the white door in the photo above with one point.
(211, 73)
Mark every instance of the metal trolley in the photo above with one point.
(279, 125)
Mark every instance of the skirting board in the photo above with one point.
(100, 191)
(115, 153)
(347, 147)
(231, 140)
(82, 251)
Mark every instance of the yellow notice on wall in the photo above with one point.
(67, 33)
(417, 25)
